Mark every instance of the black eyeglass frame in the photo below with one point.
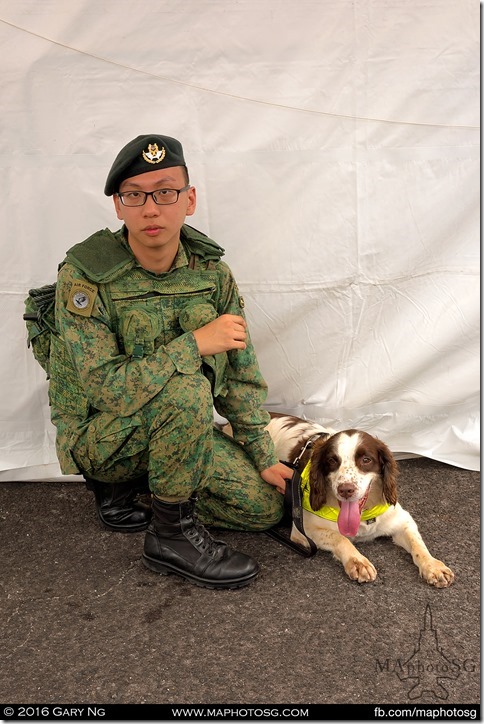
(152, 194)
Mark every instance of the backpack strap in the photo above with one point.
(39, 318)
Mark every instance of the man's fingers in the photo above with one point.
(221, 335)
(240, 333)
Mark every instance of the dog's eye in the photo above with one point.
(366, 460)
(333, 463)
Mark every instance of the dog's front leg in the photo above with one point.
(431, 569)
(357, 567)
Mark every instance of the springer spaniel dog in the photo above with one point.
(349, 491)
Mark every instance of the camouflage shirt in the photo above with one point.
(124, 332)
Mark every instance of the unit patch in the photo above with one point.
(81, 298)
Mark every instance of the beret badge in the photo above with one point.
(154, 154)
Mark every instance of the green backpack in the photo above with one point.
(40, 320)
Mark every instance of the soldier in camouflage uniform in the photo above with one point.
(152, 337)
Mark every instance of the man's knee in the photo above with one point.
(185, 403)
(236, 511)
(190, 396)
(267, 513)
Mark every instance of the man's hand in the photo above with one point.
(223, 334)
(277, 476)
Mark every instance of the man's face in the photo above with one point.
(155, 226)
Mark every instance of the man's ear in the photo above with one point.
(192, 201)
(118, 207)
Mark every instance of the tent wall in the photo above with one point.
(334, 145)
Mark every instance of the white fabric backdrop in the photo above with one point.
(335, 149)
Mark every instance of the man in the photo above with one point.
(152, 337)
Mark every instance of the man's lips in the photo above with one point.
(152, 230)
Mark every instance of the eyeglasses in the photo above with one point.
(162, 197)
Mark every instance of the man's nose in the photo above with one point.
(150, 206)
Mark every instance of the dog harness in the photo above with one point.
(330, 513)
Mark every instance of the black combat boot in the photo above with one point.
(176, 542)
(118, 505)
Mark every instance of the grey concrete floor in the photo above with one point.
(83, 621)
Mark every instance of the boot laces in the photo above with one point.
(201, 538)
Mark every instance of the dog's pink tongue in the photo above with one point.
(349, 518)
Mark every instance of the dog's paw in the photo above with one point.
(360, 569)
(437, 573)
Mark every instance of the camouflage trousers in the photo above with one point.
(173, 438)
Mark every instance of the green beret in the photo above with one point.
(143, 154)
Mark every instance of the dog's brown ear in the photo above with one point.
(389, 473)
(317, 477)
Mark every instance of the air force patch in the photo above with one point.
(81, 298)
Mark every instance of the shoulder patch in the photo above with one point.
(81, 298)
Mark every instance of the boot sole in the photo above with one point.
(122, 528)
(166, 570)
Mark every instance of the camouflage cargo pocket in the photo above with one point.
(65, 391)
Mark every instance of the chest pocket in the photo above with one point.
(148, 307)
